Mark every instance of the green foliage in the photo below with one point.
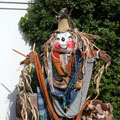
(100, 17)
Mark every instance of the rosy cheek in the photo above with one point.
(57, 46)
(70, 44)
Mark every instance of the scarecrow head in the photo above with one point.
(63, 43)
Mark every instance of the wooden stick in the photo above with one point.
(34, 47)
(31, 63)
(55, 11)
(20, 53)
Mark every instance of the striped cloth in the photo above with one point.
(75, 69)
(41, 105)
(68, 98)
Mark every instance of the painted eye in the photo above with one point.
(70, 37)
(58, 39)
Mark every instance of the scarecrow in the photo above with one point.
(65, 71)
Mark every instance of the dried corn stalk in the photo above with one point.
(24, 91)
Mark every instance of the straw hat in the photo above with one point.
(63, 25)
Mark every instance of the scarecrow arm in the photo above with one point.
(104, 56)
(92, 54)
(28, 60)
(99, 54)
(29, 57)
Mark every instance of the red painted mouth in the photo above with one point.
(63, 46)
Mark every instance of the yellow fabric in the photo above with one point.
(78, 84)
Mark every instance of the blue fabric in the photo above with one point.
(75, 69)
(76, 66)
(41, 105)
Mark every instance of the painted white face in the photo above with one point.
(63, 43)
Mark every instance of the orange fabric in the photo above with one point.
(43, 85)
(56, 62)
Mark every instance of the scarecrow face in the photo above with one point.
(63, 43)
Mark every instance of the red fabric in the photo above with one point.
(91, 54)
